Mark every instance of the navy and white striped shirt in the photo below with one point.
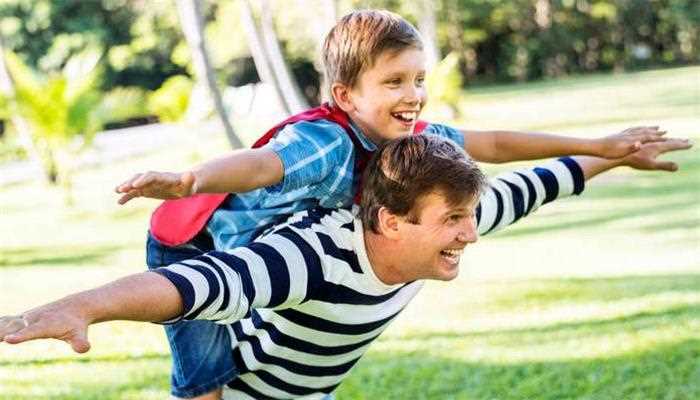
(302, 302)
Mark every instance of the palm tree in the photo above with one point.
(7, 90)
(63, 111)
(193, 28)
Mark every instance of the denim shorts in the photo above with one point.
(201, 350)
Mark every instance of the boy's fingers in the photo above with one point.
(130, 195)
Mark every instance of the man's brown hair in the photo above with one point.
(358, 39)
(405, 170)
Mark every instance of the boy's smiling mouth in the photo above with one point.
(405, 116)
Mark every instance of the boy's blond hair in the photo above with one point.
(357, 40)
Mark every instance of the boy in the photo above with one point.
(375, 63)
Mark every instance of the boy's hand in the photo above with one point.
(628, 141)
(52, 321)
(157, 185)
(645, 157)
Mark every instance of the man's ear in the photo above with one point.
(342, 97)
(388, 223)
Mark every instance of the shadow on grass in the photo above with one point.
(55, 255)
(664, 372)
(565, 332)
(542, 292)
(100, 378)
(602, 217)
(85, 359)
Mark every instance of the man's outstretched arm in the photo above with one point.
(513, 195)
(68, 319)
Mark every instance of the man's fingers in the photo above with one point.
(666, 166)
(11, 324)
(79, 343)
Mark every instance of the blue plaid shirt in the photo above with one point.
(318, 159)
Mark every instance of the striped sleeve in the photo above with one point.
(513, 195)
(276, 272)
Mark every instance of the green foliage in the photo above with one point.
(444, 83)
(170, 102)
(123, 103)
(61, 109)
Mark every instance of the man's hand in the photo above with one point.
(157, 185)
(628, 141)
(645, 157)
(52, 321)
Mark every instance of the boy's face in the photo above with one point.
(388, 97)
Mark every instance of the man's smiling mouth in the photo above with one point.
(452, 255)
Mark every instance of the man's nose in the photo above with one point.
(468, 232)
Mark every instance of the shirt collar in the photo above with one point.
(364, 140)
(363, 259)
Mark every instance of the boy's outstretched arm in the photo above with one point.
(646, 158)
(142, 297)
(240, 171)
(506, 146)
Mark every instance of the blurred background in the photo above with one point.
(597, 297)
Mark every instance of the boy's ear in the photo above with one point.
(341, 96)
(388, 223)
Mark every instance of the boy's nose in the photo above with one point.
(412, 95)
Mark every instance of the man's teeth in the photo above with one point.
(452, 255)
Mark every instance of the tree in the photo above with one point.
(192, 27)
(292, 95)
(63, 109)
(257, 50)
(7, 90)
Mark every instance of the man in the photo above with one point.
(304, 301)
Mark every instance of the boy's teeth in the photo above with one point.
(406, 116)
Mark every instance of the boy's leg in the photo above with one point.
(201, 350)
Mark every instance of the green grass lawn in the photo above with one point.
(596, 297)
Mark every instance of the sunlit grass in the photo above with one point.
(594, 298)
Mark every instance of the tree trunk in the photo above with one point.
(193, 28)
(257, 50)
(427, 26)
(289, 87)
(323, 25)
(24, 134)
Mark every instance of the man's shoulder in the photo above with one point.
(329, 221)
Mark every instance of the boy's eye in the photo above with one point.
(420, 81)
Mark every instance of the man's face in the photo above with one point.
(434, 245)
(388, 97)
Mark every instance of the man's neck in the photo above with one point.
(384, 258)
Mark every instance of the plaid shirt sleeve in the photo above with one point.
(446, 132)
(310, 151)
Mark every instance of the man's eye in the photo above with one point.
(395, 82)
